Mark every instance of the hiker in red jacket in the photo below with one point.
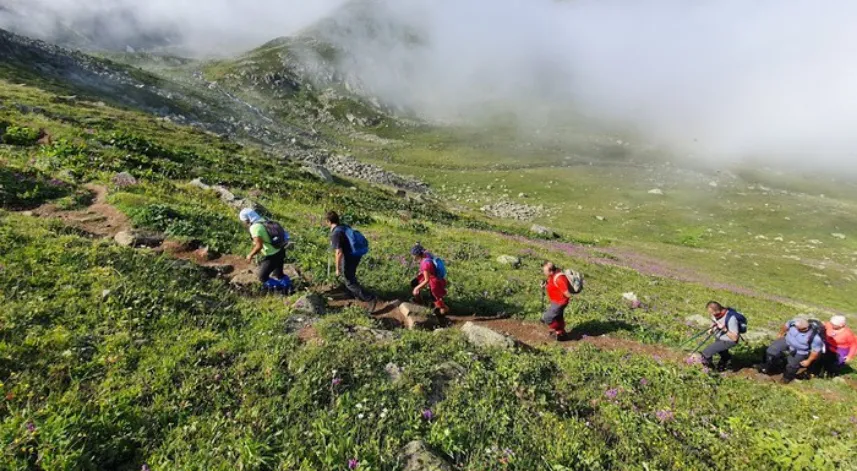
(559, 293)
(429, 276)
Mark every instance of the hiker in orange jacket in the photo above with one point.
(841, 344)
(429, 277)
(558, 289)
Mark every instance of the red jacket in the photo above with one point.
(557, 286)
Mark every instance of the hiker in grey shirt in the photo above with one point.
(726, 331)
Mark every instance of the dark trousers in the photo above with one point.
(831, 363)
(774, 354)
(554, 317)
(272, 265)
(349, 272)
(719, 347)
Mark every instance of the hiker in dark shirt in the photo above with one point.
(347, 260)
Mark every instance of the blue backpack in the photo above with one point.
(742, 321)
(439, 268)
(357, 241)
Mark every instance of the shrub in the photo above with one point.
(21, 136)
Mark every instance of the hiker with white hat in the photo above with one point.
(841, 344)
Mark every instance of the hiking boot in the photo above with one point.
(763, 368)
(559, 337)
(438, 312)
(721, 366)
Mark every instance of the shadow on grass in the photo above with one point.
(598, 327)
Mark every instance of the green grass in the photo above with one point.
(112, 358)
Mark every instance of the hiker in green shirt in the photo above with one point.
(273, 256)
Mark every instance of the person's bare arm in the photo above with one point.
(257, 247)
(733, 336)
(783, 330)
(338, 261)
(812, 357)
(419, 287)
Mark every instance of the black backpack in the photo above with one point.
(278, 235)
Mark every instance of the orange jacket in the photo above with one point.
(841, 341)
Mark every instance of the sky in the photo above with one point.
(772, 80)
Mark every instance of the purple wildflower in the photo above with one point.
(644, 382)
(724, 435)
(611, 393)
(55, 182)
(353, 463)
(145, 467)
(657, 359)
(664, 415)
(693, 360)
(31, 427)
(428, 414)
(336, 381)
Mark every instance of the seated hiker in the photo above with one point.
(841, 344)
(273, 251)
(726, 330)
(349, 247)
(803, 344)
(559, 293)
(432, 274)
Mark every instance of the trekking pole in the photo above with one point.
(702, 343)
(328, 267)
(695, 336)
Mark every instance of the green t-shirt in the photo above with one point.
(258, 230)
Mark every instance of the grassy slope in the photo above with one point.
(117, 358)
(728, 233)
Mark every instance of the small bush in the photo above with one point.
(21, 136)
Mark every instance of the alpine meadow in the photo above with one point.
(427, 236)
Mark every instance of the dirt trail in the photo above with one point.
(100, 218)
(103, 220)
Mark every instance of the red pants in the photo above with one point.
(558, 325)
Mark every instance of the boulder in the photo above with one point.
(244, 280)
(124, 179)
(485, 337)
(312, 304)
(378, 335)
(205, 254)
(441, 377)
(837, 235)
(698, 320)
(417, 317)
(510, 260)
(542, 231)
(417, 456)
(138, 239)
(410, 309)
(754, 334)
(656, 191)
(292, 272)
(320, 172)
(197, 182)
(394, 372)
